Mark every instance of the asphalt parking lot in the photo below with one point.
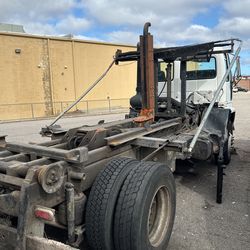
(200, 222)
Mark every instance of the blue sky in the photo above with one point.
(174, 22)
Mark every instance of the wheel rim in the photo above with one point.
(158, 218)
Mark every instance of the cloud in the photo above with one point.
(27, 10)
(44, 17)
(122, 12)
(239, 26)
(174, 22)
(237, 8)
(71, 24)
(38, 28)
(126, 37)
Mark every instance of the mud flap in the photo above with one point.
(217, 127)
(217, 123)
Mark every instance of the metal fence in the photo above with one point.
(19, 111)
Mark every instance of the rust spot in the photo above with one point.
(145, 116)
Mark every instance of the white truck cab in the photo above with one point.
(203, 79)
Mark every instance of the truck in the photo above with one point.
(111, 185)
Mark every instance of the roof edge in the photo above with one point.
(57, 38)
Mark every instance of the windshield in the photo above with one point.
(201, 70)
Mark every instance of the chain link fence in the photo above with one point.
(21, 111)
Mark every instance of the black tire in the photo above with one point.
(102, 200)
(227, 150)
(134, 204)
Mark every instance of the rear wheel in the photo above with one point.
(145, 210)
(102, 200)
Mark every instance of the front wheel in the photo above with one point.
(227, 147)
(145, 210)
(227, 150)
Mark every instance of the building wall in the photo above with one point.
(49, 73)
(245, 83)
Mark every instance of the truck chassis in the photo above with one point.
(46, 186)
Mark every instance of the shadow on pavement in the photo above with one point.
(201, 223)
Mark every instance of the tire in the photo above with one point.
(147, 195)
(102, 200)
(227, 150)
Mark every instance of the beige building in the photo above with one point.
(245, 82)
(39, 76)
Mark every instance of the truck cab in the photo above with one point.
(203, 78)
